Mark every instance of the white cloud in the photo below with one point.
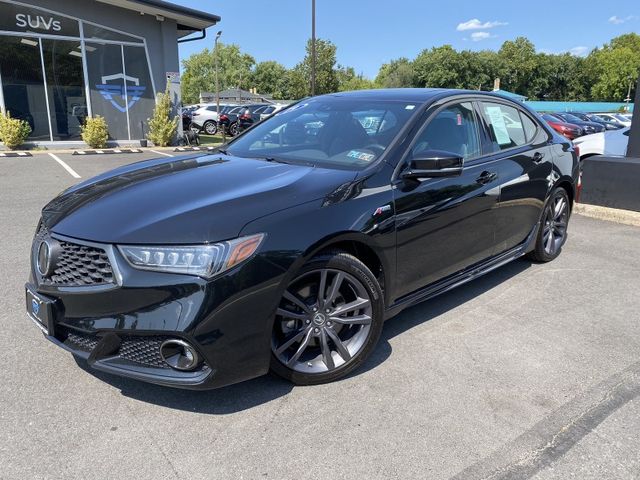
(475, 24)
(619, 20)
(580, 51)
(479, 36)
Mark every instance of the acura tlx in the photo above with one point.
(287, 248)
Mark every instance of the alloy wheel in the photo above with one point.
(555, 224)
(211, 128)
(323, 321)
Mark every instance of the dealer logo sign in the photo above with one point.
(124, 91)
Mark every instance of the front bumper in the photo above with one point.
(118, 329)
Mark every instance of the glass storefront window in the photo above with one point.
(43, 80)
(107, 86)
(23, 83)
(94, 32)
(140, 92)
(65, 87)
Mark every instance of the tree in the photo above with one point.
(397, 73)
(235, 70)
(271, 77)
(440, 67)
(518, 64)
(348, 80)
(614, 67)
(326, 77)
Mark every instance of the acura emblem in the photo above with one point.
(46, 260)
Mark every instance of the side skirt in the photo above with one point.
(463, 277)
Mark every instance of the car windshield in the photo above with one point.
(597, 118)
(621, 118)
(328, 131)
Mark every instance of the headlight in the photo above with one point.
(202, 260)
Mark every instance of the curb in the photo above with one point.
(617, 215)
(107, 151)
(15, 154)
(194, 149)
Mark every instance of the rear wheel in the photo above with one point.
(552, 233)
(210, 127)
(234, 129)
(328, 322)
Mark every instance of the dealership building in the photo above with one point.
(64, 60)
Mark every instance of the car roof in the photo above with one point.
(422, 95)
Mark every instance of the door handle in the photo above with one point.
(486, 177)
(537, 157)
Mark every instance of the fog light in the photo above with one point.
(179, 354)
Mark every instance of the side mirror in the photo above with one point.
(435, 163)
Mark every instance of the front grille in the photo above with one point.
(82, 265)
(81, 341)
(77, 264)
(143, 350)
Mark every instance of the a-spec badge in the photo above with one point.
(381, 210)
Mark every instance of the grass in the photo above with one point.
(211, 139)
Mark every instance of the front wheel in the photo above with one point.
(552, 233)
(328, 321)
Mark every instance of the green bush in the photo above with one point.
(13, 131)
(162, 127)
(95, 132)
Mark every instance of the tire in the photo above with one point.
(210, 127)
(234, 129)
(552, 232)
(320, 340)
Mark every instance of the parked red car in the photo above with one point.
(568, 130)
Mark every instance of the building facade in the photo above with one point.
(64, 60)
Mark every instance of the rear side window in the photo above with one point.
(506, 128)
(530, 127)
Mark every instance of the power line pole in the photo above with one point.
(215, 50)
(313, 47)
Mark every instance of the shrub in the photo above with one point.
(162, 127)
(13, 131)
(95, 132)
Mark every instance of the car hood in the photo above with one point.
(185, 200)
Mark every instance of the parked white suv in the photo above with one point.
(206, 117)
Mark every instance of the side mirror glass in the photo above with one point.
(434, 163)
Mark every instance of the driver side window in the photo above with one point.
(453, 129)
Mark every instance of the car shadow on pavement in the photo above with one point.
(245, 395)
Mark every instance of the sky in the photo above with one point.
(369, 33)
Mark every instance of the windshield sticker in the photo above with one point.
(499, 127)
(409, 107)
(365, 157)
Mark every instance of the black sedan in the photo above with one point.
(590, 117)
(289, 248)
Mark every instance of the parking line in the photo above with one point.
(71, 171)
(161, 153)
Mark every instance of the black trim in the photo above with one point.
(462, 277)
(170, 7)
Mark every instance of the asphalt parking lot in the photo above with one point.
(532, 371)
